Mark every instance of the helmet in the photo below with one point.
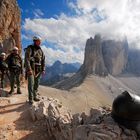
(15, 49)
(36, 38)
(3, 54)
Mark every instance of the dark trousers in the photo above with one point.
(14, 79)
(33, 84)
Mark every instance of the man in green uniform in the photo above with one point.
(3, 68)
(14, 62)
(35, 66)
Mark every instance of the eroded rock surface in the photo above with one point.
(9, 25)
(61, 125)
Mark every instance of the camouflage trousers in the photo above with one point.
(33, 84)
(2, 80)
(14, 79)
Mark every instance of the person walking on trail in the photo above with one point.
(34, 67)
(15, 67)
(3, 68)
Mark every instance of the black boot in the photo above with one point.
(19, 92)
(30, 102)
(36, 99)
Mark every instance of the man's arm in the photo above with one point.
(21, 63)
(43, 62)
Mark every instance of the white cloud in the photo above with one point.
(110, 18)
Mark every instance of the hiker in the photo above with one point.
(15, 67)
(34, 67)
(3, 68)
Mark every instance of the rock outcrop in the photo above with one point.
(61, 125)
(101, 58)
(93, 61)
(93, 64)
(9, 25)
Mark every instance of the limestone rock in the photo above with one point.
(9, 25)
(61, 125)
(57, 118)
(93, 61)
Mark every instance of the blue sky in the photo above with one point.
(65, 25)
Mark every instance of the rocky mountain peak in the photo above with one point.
(93, 61)
(101, 58)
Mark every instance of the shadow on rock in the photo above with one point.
(31, 130)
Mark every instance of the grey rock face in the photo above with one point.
(9, 25)
(133, 65)
(93, 62)
(115, 55)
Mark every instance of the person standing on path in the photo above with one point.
(15, 67)
(34, 67)
(3, 68)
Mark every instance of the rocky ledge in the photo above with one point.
(61, 125)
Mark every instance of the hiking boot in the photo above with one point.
(19, 92)
(30, 102)
(36, 99)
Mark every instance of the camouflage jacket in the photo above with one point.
(14, 61)
(34, 57)
(3, 66)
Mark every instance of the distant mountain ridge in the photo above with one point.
(59, 71)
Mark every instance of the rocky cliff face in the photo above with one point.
(103, 57)
(133, 65)
(93, 61)
(9, 25)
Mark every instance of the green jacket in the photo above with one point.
(3, 66)
(34, 57)
(14, 61)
